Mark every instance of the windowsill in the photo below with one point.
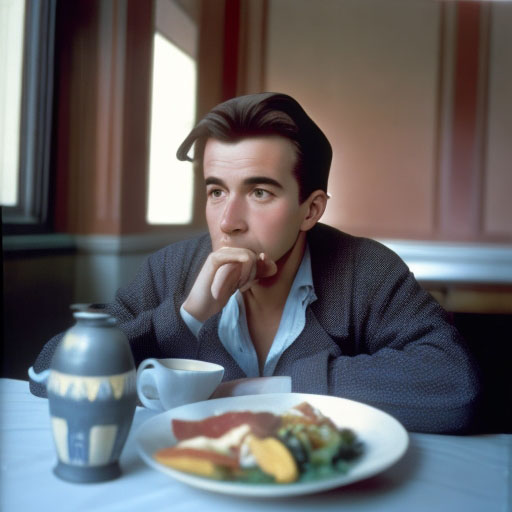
(457, 263)
(38, 242)
(95, 244)
(431, 262)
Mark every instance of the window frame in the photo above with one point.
(32, 212)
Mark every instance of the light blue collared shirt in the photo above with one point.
(234, 333)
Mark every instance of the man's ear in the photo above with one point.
(314, 206)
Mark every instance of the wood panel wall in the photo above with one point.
(413, 96)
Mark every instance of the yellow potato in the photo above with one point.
(274, 458)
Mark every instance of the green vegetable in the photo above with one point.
(254, 476)
(320, 450)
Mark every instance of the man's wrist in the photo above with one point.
(196, 310)
(191, 321)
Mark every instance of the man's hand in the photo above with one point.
(225, 271)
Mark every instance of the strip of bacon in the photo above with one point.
(308, 411)
(262, 424)
(313, 416)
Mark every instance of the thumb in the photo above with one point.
(266, 266)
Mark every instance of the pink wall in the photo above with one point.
(402, 90)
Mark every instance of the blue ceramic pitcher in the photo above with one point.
(91, 387)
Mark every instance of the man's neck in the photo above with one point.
(272, 292)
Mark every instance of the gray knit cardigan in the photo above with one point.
(373, 335)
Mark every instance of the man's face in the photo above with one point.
(252, 195)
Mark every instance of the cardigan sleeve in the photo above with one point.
(404, 356)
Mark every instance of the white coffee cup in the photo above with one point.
(166, 383)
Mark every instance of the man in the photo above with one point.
(271, 291)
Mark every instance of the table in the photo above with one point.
(438, 473)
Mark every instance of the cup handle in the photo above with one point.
(145, 373)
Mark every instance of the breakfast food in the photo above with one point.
(299, 445)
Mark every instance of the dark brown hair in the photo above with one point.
(267, 114)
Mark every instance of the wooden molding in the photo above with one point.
(252, 46)
(460, 202)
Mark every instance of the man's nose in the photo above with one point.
(233, 218)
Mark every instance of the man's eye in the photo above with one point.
(215, 193)
(260, 193)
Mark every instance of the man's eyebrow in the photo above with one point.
(211, 180)
(253, 180)
(262, 180)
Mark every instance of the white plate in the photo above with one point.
(385, 439)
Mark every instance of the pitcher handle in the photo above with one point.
(41, 377)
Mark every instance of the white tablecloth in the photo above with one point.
(438, 473)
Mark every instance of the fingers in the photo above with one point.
(231, 255)
(225, 271)
(233, 275)
(226, 280)
(239, 268)
(248, 273)
(264, 267)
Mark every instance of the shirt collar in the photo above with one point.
(304, 276)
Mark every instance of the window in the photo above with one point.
(26, 88)
(171, 182)
(12, 14)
